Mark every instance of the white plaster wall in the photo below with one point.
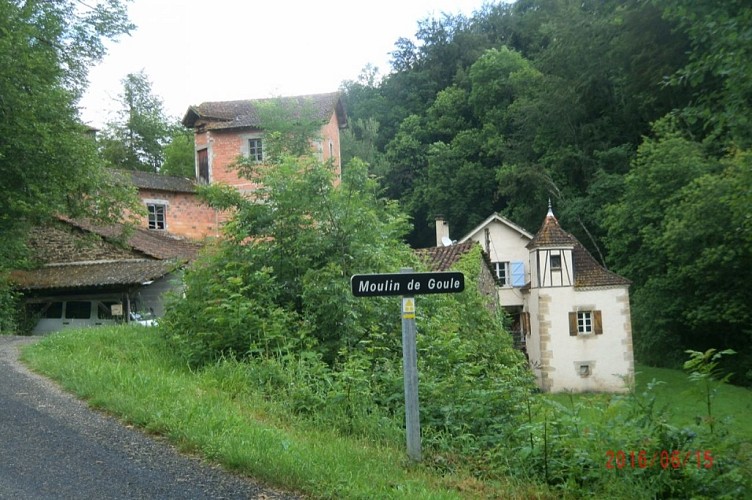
(609, 355)
(506, 245)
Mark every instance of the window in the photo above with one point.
(556, 262)
(256, 150)
(584, 370)
(202, 158)
(585, 323)
(157, 216)
(54, 311)
(77, 309)
(501, 271)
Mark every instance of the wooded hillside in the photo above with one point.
(631, 116)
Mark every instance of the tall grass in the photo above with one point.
(219, 412)
(264, 420)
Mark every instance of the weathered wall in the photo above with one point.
(185, 214)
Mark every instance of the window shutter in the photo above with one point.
(573, 324)
(597, 323)
(525, 321)
(202, 156)
(517, 269)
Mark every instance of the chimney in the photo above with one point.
(442, 232)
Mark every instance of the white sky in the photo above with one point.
(214, 50)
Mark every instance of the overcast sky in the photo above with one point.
(212, 50)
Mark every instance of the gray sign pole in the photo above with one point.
(410, 371)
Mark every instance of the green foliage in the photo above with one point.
(704, 371)
(9, 307)
(136, 139)
(48, 162)
(717, 70)
(275, 293)
(533, 100)
(663, 233)
(306, 238)
(179, 154)
(612, 446)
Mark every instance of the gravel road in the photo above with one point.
(52, 446)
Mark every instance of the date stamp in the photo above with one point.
(665, 459)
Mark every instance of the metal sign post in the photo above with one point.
(408, 284)
(410, 374)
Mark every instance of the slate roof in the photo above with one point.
(91, 274)
(157, 182)
(496, 217)
(443, 258)
(219, 115)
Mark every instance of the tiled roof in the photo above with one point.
(151, 243)
(587, 271)
(443, 258)
(149, 180)
(245, 113)
(551, 234)
(90, 274)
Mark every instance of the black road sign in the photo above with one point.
(377, 285)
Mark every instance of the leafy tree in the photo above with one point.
(136, 139)
(681, 231)
(718, 69)
(179, 154)
(48, 164)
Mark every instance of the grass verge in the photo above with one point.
(216, 413)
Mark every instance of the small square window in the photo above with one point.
(157, 216)
(584, 370)
(556, 262)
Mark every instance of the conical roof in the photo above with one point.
(587, 271)
(551, 234)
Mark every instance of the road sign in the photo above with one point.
(406, 284)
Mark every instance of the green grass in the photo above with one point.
(731, 404)
(220, 413)
(682, 401)
(214, 412)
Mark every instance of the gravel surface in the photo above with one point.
(52, 446)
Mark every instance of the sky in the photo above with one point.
(193, 51)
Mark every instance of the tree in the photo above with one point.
(179, 154)
(136, 139)
(681, 232)
(718, 69)
(48, 162)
